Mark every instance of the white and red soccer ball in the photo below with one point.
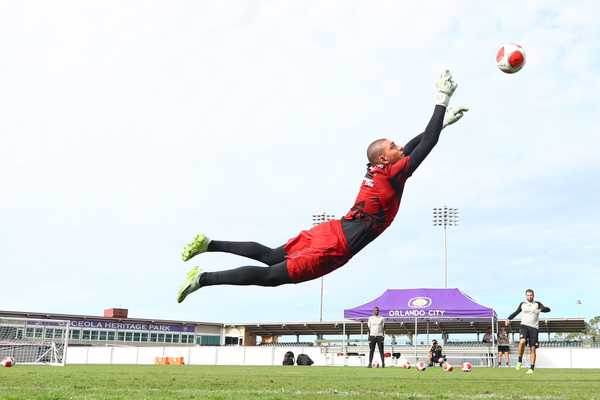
(448, 367)
(510, 58)
(406, 365)
(421, 366)
(8, 362)
(467, 367)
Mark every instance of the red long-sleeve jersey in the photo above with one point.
(377, 203)
(328, 246)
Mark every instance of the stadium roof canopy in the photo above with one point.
(552, 325)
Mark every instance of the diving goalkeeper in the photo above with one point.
(328, 246)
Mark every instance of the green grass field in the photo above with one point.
(203, 382)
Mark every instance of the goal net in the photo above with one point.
(34, 341)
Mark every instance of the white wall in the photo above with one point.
(567, 358)
(241, 355)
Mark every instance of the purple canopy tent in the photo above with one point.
(425, 305)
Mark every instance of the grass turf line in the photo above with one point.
(233, 382)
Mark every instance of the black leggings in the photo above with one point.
(274, 275)
(373, 340)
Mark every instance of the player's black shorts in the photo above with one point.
(503, 348)
(530, 335)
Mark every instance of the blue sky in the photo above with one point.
(129, 127)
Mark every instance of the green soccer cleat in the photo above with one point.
(518, 366)
(529, 371)
(190, 285)
(195, 247)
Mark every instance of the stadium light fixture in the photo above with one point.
(445, 217)
(316, 220)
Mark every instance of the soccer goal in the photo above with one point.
(34, 341)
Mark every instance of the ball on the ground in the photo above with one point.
(406, 365)
(510, 58)
(467, 366)
(421, 366)
(8, 362)
(448, 367)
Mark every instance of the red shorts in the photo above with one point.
(316, 252)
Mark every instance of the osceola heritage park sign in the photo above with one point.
(134, 326)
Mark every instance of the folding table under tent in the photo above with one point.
(424, 306)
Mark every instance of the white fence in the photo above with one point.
(195, 355)
(241, 355)
(568, 358)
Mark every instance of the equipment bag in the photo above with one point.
(304, 359)
(288, 358)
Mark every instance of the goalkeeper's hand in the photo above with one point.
(446, 87)
(453, 114)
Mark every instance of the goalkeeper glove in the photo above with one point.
(453, 114)
(446, 87)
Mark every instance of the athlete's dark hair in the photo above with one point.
(374, 151)
(529, 290)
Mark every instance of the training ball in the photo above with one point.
(421, 366)
(510, 58)
(8, 362)
(406, 365)
(448, 367)
(467, 367)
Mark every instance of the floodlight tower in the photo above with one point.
(316, 220)
(445, 217)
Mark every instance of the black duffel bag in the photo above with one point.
(304, 359)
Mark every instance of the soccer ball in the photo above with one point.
(510, 58)
(8, 362)
(467, 367)
(441, 360)
(421, 366)
(406, 365)
(448, 367)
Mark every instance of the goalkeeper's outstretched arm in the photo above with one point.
(451, 116)
(445, 88)
(428, 140)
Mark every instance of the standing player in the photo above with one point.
(328, 246)
(503, 347)
(528, 333)
(375, 325)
